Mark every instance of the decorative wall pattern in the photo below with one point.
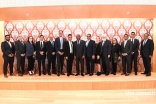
(112, 27)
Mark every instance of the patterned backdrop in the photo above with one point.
(112, 27)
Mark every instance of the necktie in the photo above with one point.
(71, 47)
(41, 45)
(78, 42)
(52, 43)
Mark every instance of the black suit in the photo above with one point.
(90, 51)
(126, 60)
(79, 51)
(20, 48)
(60, 58)
(50, 46)
(134, 57)
(106, 50)
(145, 51)
(41, 58)
(7, 49)
(70, 54)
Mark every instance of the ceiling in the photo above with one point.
(78, 11)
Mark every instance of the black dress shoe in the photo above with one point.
(68, 75)
(58, 74)
(98, 73)
(72, 74)
(144, 73)
(127, 74)
(149, 74)
(136, 73)
(123, 74)
(44, 73)
(114, 73)
(91, 74)
(49, 74)
(54, 73)
(77, 74)
(86, 73)
(39, 74)
(106, 74)
(5, 76)
(82, 74)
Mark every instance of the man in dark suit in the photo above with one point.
(146, 51)
(20, 48)
(106, 52)
(90, 55)
(69, 54)
(59, 45)
(79, 54)
(51, 55)
(126, 50)
(41, 54)
(134, 52)
(8, 50)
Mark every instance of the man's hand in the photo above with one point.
(150, 56)
(83, 57)
(108, 56)
(93, 57)
(10, 55)
(75, 57)
(66, 58)
(132, 52)
(41, 52)
(53, 53)
(98, 57)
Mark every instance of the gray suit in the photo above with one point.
(79, 51)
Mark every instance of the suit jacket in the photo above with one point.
(79, 50)
(106, 48)
(30, 49)
(116, 49)
(67, 48)
(148, 48)
(135, 46)
(50, 48)
(38, 49)
(6, 49)
(128, 47)
(20, 48)
(57, 44)
(90, 48)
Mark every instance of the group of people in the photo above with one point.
(90, 51)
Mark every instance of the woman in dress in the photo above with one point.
(97, 55)
(115, 55)
(30, 53)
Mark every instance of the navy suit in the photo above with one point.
(90, 51)
(50, 46)
(41, 58)
(6, 49)
(106, 50)
(60, 58)
(145, 51)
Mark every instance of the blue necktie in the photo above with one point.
(52, 43)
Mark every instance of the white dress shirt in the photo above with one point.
(61, 42)
(71, 46)
(87, 43)
(125, 43)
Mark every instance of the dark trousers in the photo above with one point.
(147, 63)
(114, 66)
(134, 59)
(52, 60)
(126, 64)
(60, 61)
(41, 59)
(105, 65)
(70, 63)
(20, 64)
(90, 65)
(81, 61)
(10, 61)
(30, 63)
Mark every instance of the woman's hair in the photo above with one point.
(115, 40)
(29, 38)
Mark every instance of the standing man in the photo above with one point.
(134, 52)
(69, 54)
(146, 51)
(126, 51)
(20, 48)
(41, 54)
(90, 55)
(59, 45)
(8, 50)
(106, 52)
(51, 55)
(79, 54)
